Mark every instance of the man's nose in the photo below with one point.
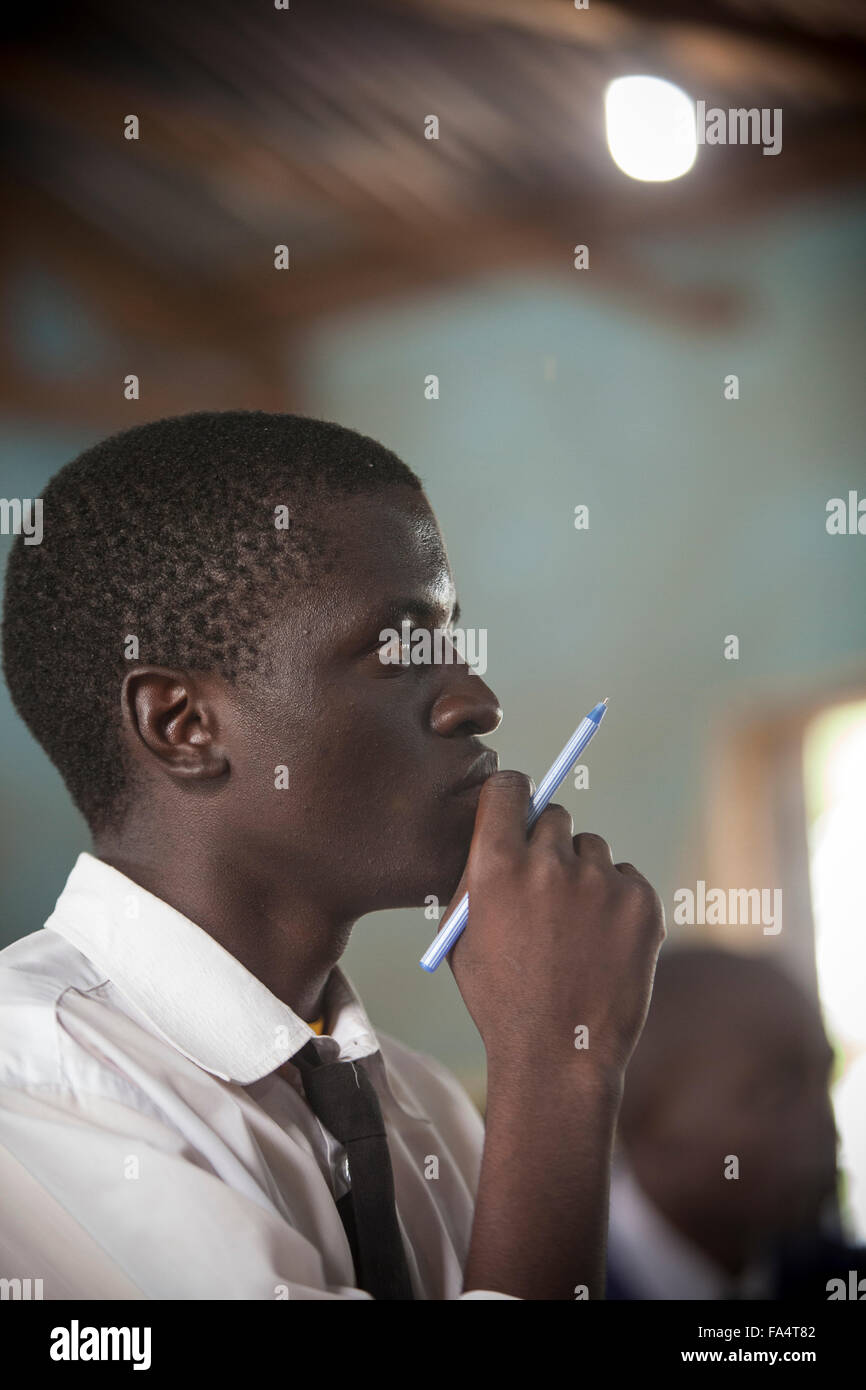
(466, 706)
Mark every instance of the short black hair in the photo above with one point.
(166, 531)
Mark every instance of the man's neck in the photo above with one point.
(289, 943)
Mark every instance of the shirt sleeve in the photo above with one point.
(489, 1293)
(109, 1203)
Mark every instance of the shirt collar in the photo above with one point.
(194, 992)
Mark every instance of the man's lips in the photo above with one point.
(478, 772)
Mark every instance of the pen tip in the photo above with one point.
(604, 701)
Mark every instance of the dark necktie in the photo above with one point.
(342, 1096)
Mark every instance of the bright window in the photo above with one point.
(834, 752)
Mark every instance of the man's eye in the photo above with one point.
(397, 652)
(393, 652)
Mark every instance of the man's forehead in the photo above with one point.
(386, 558)
(389, 547)
(396, 525)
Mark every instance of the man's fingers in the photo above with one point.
(628, 869)
(500, 821)
(554, 829)
(593, 847)
(500, 826)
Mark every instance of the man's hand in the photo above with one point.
(558, 936)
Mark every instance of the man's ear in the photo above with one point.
(172, 715)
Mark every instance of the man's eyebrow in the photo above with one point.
(418, 609)
(396, 609)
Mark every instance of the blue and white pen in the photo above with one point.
(444, 940)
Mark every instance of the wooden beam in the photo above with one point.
(208, 141)
(169, 386)
(730, 188)
(724, 38)
(138, 301)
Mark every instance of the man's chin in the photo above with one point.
(448, 880)
(432, 891)
(431, 878)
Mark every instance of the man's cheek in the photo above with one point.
(401, 803)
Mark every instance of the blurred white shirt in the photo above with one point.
(655, 1261)
(149, 1146)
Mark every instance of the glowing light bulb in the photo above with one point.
(651, 130)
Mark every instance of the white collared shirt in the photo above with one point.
(151, 1148)
(655, 1260)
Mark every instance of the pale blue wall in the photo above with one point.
(40, 830)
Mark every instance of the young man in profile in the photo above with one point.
(256, 778)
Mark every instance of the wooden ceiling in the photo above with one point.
(305, 126)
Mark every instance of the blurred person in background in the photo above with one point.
(724, 1183)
